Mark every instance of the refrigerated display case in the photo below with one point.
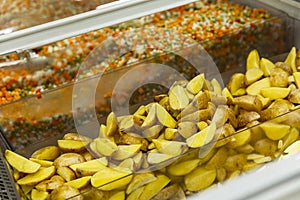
(51, 64)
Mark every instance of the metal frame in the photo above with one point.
(104, 16)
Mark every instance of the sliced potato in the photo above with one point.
(293, 148)
(156, 158)
(152, 132)
(195, 85)
(291, 59)
(173, 191)
(275, 131)
(291, 137)
(164, 117)
(252, 60)
(183, 168)
(66, 173)
(126, 151)
(247, 117)
(42, 174)
(200, 178)
(152, 188)
(88, 168)
(111, 124)
(218, 159)
(68, 159)
(236, 82)
(275, 92)
(43, 163)
(253, 75)
(254, 88)
(66, 192)
(203, 137)
(79, 182)
(170, 133)
(109, 179)
(285, 67)
(136, 193)
(266, 66)
(178, 98)
(47, 185)
(140, 180)
(240, 139)
(151, 117)
(173, 148)
(77, 137)
(187, 129)
(296, 76)
(235, 162)
(105, 146)
(248, 102)
(71, 145)
(217, 87)
(294, 96)
(21, 163)
(117, 195)
(265, 147)
(46, 153)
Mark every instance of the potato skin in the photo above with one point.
(65, 192)
(68, 159)
(279, 78)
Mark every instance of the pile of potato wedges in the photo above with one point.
(195, 136)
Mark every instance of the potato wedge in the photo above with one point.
(71, 145)
(195, 85)
(187, 129)
(199, 179)
(136, 193)
(291, 59)
(126, 151)
(68, 159)
(151, 117)
(164, 117)
(21, 163)
(240, 139)
(203, 137)
(252, 60)
(89, 168)
(248, 102)
(109, 179)
(285, 67)
(48, 185)
(77, 137)
(152, 188)
(247, 117)
(43, 163)
(66, 192)
(253, 75)
(275, 92)
(173, 148)
(218, 159)
(79, 182)
(275, 131)
(183, 168)
(254, 88)
(236, 82)
(294, 96)
(235, 162)
(46, 153)
(265, 147)
(266, 66)
(140, 180)
(105, 146)
(42, 174)
(111, 124)
(156, 158)
(152, 132)
(178, 98)
(173, 191)
(66, 173)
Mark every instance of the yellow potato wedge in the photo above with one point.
(294, 96)
(187, 129)
(152, 132)
(178, 98)
(42, 174)
(291, 59)
(155, 158)
(71, 145)
(21, 163)
(152, 188)
(266, 66)
(89, 167)
(66, 173)
(66, 192)
(126, 151)
(203, 137)
(199, 179)
(254, 88)
(173, 191)
(68, 159)
(247, 117)
(293, 148)
(47, 185)
(218, 159)
(140, 180)
(253, 75)
(79, 182)
(275, 131)
(128, 164)
(43, 163)
(240, 139)
(296, 76)
(47, 153)
(252, 60)
(111, 124)
(235, 162)
(151, 117)
(183, 168)
(170, 133)
(291, 137)
(136, 194)
(236, 82)
(248, 102)
(173, 148)
(39, 195)
(275, 92)
(109, 179)
(217, 87)
(195, 85)
(228, 95)
(77, 137)
(105, 146)
(265, 147)
(164, 117)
